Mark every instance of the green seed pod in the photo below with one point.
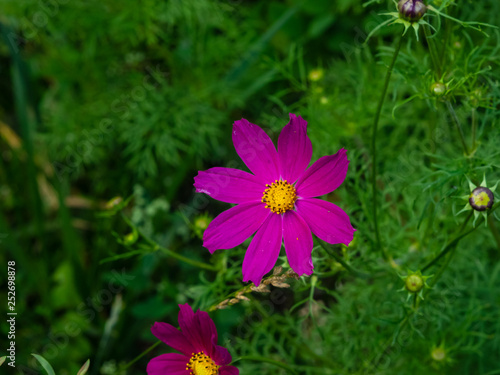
(411, 10)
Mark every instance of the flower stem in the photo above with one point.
(415, 301)
(339, 259)
(432, 51)
(494, 231)
(374, 146)
(459, 127)
(474, 127)
(268, 360)
(141, 355)
(169, 252)
(450, 246)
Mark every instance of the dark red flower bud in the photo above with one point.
(411, 10)
(481, 198)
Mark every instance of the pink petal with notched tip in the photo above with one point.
(264, 249)
(172, 337)
(324, 176)
(326, 220)
(229, 185)
(190, 325)
(234, 226)
(256, 150)
(294, 149)
(298, 243)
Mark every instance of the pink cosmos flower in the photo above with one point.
(197, 341)
(277, 201)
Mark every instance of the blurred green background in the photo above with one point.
(109, 108)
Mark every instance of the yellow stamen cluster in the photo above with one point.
(201, 364)
(280, 196)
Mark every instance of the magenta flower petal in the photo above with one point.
(275, 201)
(324, 176)
(264, 250)
(229, 370)
(229, 185)
(298, 243)
(172, 337)
(326, 220)
(191, 328)
(234, 226)
(256, 150)
(197, 339)
(294, 149)
(221, 355)
(171, 363)
(208, 332)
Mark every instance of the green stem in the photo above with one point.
(141, 355)
(184, 259)
(437, 276)
(169, 252)
(415, 301)
(447, 261)
(474, 127)
(494, 231)
(374, 146)
(446, 39)
(339, 259)
(452, 245)
(432, 52)
(267, 360)
(390, 342)
(449, 246)
(459, 127)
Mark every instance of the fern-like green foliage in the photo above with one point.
(109, 109)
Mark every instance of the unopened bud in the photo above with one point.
(438, 88)
(438, 354)
(131, 238)
(411, 10)
(114, 202)
(481, 198)
(414, 283)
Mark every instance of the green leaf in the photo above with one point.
(46, 365)
(2, 360)
(84, 368)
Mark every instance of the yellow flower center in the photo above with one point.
(201, 364)
(481, 199)
(280, 196)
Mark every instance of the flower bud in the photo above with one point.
(315, 75)
(113, 203)
(481, 198)
(131, 238)
(411, 10)
(201, 222)
(438, 88)
(414, 283)
(438, 354)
